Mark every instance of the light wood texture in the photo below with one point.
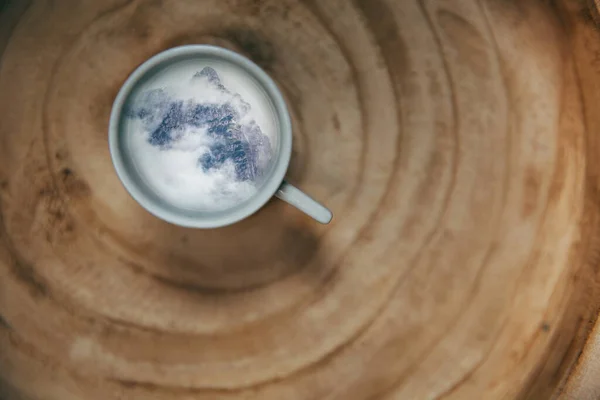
(456, 143)
(583, 22)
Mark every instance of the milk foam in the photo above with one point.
(202, 135)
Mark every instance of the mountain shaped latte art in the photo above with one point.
(206, 118)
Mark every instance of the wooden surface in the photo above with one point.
(456, 143)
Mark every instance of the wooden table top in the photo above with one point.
(456, 143)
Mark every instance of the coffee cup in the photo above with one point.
(200, 136)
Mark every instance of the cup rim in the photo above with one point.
(269, 187)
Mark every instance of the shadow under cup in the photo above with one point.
(123, 156)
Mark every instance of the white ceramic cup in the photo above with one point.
(273, 183)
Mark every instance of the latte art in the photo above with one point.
(197, 141)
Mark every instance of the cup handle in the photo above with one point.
(303, 202)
